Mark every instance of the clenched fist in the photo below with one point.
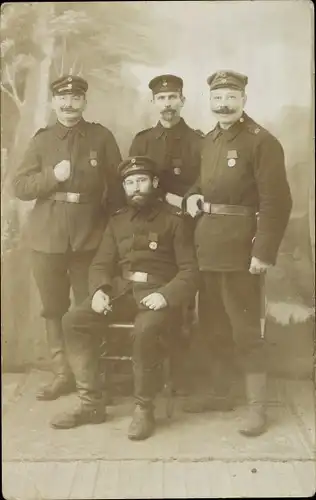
(192, 204)
(258, 267)
(62, 170)
(101, 302)
(154, 301)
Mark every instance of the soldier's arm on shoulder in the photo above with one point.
(274, 197)
(114, 195)
(184, 285)
(102, 268)
(31, 179)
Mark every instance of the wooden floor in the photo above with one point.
(195, 457)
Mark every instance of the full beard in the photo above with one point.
(140, 200)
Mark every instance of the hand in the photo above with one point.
(154, 301)
(101, 302)
(192, 204)
(257, 266)
(62, 170)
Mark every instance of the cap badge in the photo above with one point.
(69, 79)
(164, 83)
(222, 74)
(223, 80)
(177, 170)
(153, 245)
(133, 160)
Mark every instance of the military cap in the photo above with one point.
(166, 83)
(137, 165)
(229, 79)
(69, 84)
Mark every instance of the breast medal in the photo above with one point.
(153, 241)
(232, 157)
(93, 159)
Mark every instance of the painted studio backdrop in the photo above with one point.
(118, 47)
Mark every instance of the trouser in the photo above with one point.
(55, 274)
(230, 316)
(84, 329)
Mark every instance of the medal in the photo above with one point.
(93, 158)
(177, 170)
(153, 238)
(231, 162)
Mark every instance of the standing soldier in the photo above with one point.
(244, 203)
(70, 170)
(146, 247)
(174, 146)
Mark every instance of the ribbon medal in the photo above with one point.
(177, 164)
(93, 158)
(232, 157)
(153, 241)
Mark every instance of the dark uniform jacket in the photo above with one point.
(150, 240)
(176, 152)
(54, 226)
(242, 166)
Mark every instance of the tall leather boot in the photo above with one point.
(256, 420)
(63, 381)
(220, 397)
(142, 425)
(85, 352)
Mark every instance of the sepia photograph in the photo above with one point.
(158, 249)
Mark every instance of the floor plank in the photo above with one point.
(305, 473)
(174, 480)
(196, 480)
(152, 485)
(107, 480)
(218, 476)
(84, 480)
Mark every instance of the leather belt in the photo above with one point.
(142, 277)
(212, 208)
(70, 197)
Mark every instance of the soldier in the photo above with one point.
(70, 170)
(242, 175)
(146, 245)
(175, 147)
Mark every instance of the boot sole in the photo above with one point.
(53, 398)
(79, 424)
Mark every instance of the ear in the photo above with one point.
(244, 99)
(183, 99)
(53, 104)
(84, 104)
(155, 182)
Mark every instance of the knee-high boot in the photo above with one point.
(63, 382)
(256, 420)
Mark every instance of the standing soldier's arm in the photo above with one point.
(114, 195)
(32, 179)
(184, 285)
(102, 268)
(138, 146)
(275, 202)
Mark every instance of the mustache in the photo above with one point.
(167, 110)
(225, 110)
(65, 108)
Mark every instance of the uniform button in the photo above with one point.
(242, 120)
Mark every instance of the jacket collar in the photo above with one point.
(177, 130)
(62, 131)
(233, 131)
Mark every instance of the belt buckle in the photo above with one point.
(73, 197)
(207, 207)
(140, 277)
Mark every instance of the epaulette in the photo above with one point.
(40, 130)
(174, 210)
(199, 132)
(143, 131)
(253, 128)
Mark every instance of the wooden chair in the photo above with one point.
(107, 357)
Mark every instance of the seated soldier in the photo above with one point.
(147, 245)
